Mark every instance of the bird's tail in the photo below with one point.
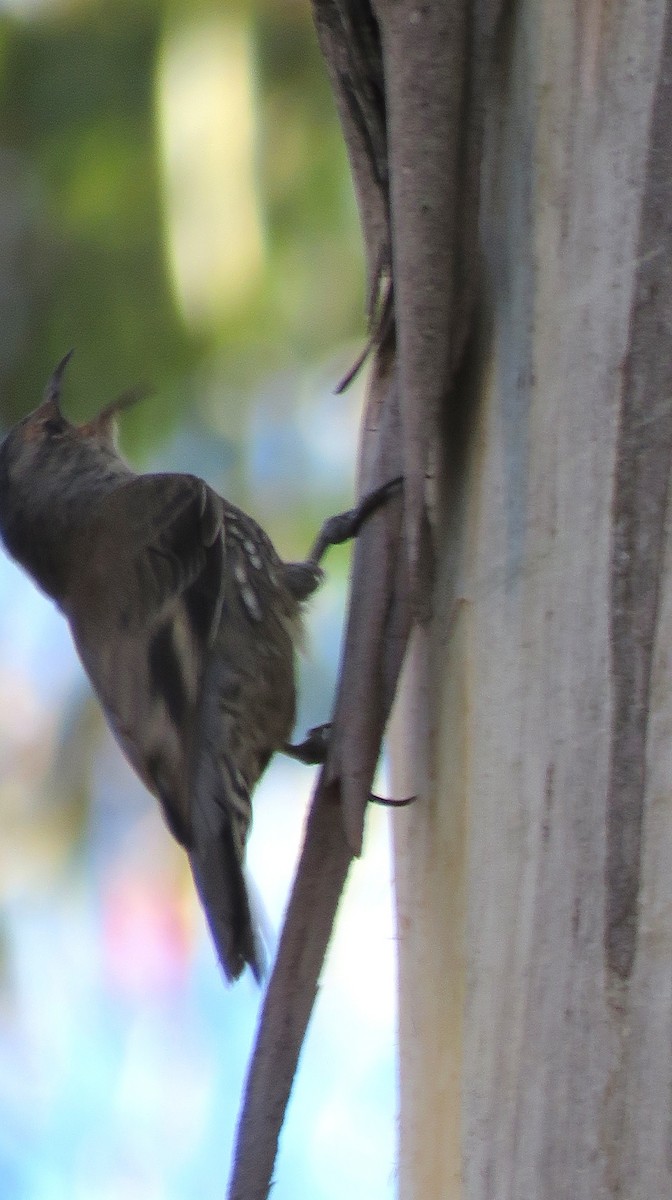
(220, 816)
(219, 878)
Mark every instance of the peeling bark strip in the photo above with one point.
(359, 68)
(378, 626)
(319, 882)
(434, 214)
(349, 38)
(379, 616)
(408, 95)
(644, 459)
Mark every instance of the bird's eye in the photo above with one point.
(52, 427)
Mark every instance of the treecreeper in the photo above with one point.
(186, 620)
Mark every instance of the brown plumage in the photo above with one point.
(185, 619)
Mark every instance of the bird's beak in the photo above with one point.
(52, 392)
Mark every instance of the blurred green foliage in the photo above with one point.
(85, 215)
(96, 95)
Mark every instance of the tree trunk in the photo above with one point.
(513, 168)
(534, 875)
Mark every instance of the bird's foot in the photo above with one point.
(313, 752)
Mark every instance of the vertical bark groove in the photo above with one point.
(641, 483)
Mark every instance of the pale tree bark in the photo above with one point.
(535, 876)
(513, 166)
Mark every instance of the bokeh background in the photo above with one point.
(175, 204)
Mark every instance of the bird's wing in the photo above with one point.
(158, 614)
(148, 603)
(163, 534)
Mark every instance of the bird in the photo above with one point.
(186, 621)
